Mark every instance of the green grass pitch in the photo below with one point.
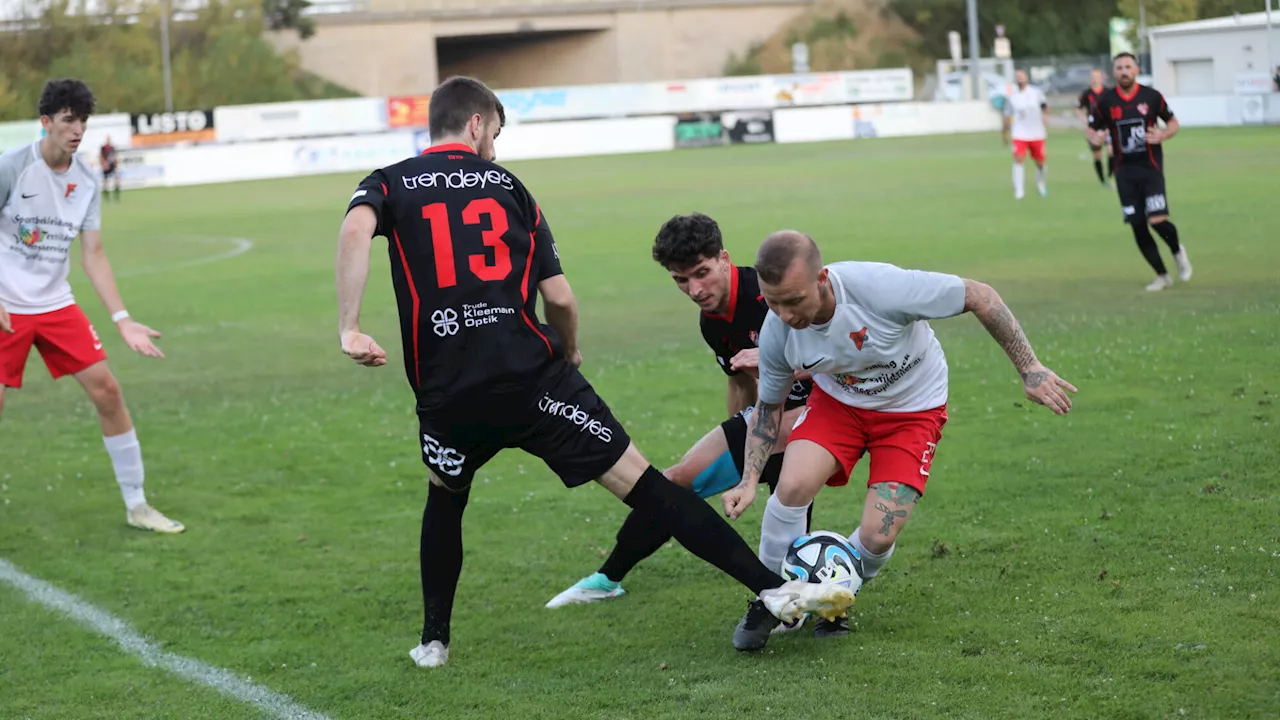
(1119, 562)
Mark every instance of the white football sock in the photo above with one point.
(779, 528)
(126, 458)
(1019, 178)
(871, 563)
(1041, 172)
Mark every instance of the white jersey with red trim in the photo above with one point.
(41, 214)
(1026, 108)
(878, 351)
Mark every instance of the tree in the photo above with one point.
(286, 14)
(218, 58)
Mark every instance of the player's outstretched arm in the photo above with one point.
(562, 314)
(351, 274)
(764, 427)
(98, 269)
(1041, 384)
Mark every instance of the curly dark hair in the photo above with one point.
(686, 240)
(66, 94)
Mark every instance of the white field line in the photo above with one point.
(241, 246)
(42, 593)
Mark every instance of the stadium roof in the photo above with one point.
(1230, 22)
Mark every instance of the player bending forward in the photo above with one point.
(691, 249)
(1126, 117)
(1026, 116)
(880, 387)
(469, 249)
(48, 196)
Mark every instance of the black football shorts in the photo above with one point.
(564, 423)
(1141, 194)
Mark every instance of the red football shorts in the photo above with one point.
(901, 444)
(1035, 147)
(65, 338)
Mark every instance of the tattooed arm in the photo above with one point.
(762, 437)
(1039, 382)
(765, 424)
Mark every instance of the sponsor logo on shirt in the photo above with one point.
(30, 234)
(458, 180)
(446, 322)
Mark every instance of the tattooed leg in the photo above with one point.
(885, 513)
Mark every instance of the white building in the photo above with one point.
(1220, 56)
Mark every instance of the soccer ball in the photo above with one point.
(823, 556)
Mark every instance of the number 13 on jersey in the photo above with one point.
(479, 263)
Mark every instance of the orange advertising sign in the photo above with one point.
(408, 110)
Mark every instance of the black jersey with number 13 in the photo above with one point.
(468, 246)
(1127, 117)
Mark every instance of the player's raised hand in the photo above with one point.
(1043, 386)
(5, 325)
(748, 360)
(362, 349)
(138, 337)
(737, 500)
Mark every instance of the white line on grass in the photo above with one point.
(42, 593)
(242, 246)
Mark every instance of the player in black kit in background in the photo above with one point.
(1086, 107)
(691, 249)
(470, 251)
(1126, 115)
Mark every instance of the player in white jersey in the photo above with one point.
(48, 197)
(1026, 116)
(880, 387)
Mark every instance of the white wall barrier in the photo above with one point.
(313, 118)
(707, 94)
(200, 164)
(1226, 110)
(846, 122)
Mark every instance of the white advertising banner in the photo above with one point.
(587, 137)
(812, 124)
(883, 120)
(200, 164)
(708, 94)
(316, 118)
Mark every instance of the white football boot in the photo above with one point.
(433, 654)
(145, 517)
(1183, 262)
(1162, 282)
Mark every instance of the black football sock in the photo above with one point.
(440, 555)
(1147, 245)
(771, 474)
(700, 529)
(1097, 167)
(1111, 166)
(639, 537)
(1169, 232)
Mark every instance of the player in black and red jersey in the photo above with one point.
(470, 251)
(691, 249)
(1086, 108)
(1127, 115)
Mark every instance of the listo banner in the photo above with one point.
(170, 128)
(408, 111)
